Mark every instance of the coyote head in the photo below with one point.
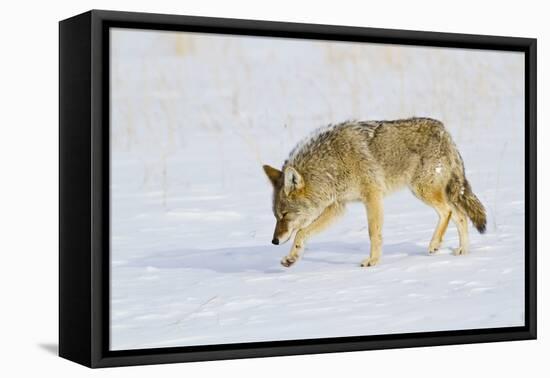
(292, 206)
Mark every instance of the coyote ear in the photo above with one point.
(273, 174)
(293, 180)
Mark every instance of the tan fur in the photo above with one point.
(364, 161)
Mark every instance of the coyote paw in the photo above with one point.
(460, 251)
(434, 247)
(369, 262)
(432, 250)
(288, 261)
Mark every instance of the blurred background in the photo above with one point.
(183, 94)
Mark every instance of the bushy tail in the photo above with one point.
(459, 193)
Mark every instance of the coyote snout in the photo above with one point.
(292, 207)
(364, 161)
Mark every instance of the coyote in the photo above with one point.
(364, 161)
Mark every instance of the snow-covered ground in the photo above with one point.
(195, 116)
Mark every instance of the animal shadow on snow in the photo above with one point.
(266, 258)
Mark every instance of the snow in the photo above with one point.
(193, 119)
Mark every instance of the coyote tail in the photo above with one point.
(459, 192)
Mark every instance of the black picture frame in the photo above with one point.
(84, 188)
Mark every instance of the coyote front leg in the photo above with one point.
(323, 221)
(375, 215)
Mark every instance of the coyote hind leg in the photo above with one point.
(436, 198)
(444, 213)
(461, 222)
